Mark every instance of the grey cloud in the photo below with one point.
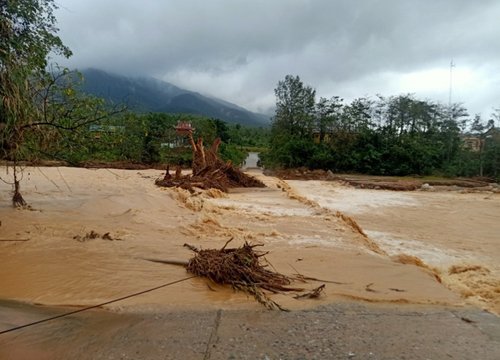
(239, 49)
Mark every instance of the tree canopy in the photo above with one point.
(294, 107)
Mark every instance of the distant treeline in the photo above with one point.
(398, 135)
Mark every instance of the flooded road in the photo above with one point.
(252, 161)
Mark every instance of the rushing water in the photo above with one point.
(456, 233)
(56, 265)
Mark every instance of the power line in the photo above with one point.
(94, 306)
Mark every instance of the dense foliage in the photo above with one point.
(398, 135)
(152, 139)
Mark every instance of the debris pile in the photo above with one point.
(209, 171)
(241, 268)
(94, 235)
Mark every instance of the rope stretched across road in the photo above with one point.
(94, 306)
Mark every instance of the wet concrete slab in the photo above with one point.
(338, 331)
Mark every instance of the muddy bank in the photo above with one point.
(124, 165)
(394, 183)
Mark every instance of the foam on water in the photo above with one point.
(332, 197)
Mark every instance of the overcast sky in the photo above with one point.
(238, 50)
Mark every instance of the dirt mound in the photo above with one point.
(399, 185)
(299, 174)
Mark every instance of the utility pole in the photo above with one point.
(452, 65)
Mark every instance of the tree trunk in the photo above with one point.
(17, 199)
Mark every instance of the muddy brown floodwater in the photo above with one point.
(457, 233)
(309, 228)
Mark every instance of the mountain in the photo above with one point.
(152, 95)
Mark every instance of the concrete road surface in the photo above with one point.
(338, 331)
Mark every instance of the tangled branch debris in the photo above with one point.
(209, 171)
(242, 269)
(94, 235)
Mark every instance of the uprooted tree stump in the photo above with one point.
(208, 171)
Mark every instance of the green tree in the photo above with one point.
(359, 113)
(492, 146)
(328, 116)
(450, 121)
(488, 145)
(293, 123)
(295, 107)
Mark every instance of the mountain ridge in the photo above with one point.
(146, 94)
